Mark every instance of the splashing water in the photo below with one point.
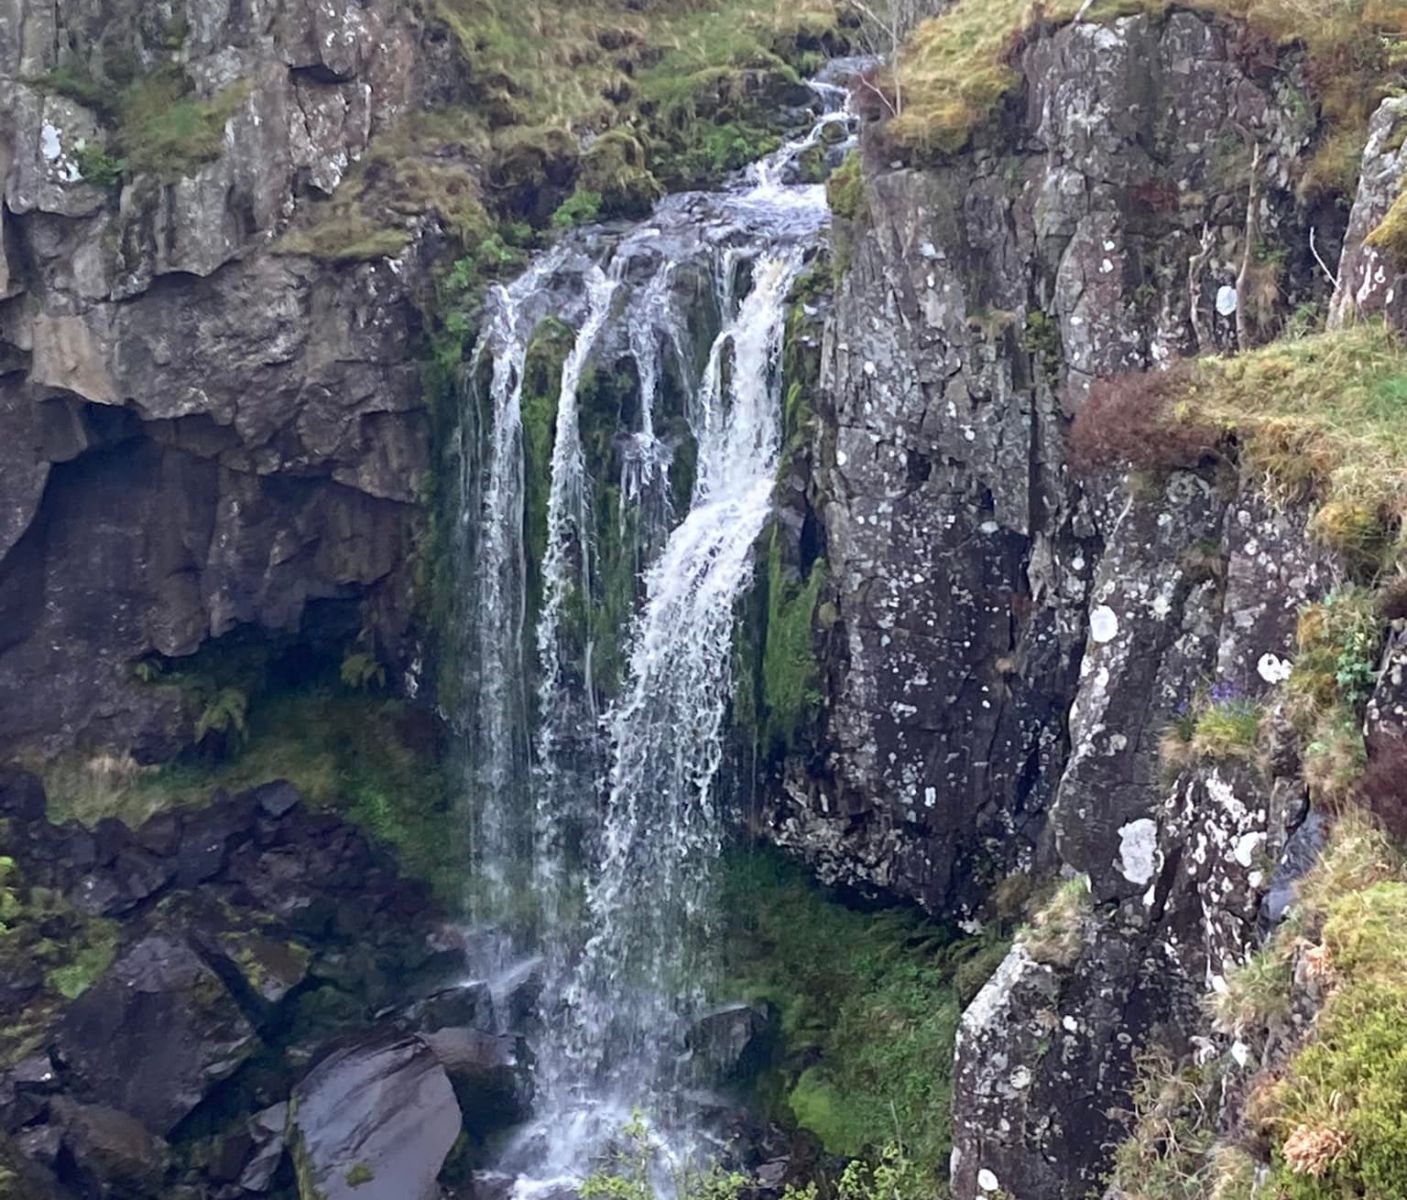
(622, 919)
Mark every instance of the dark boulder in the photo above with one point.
(266, 1130)
(23, 1179)
(468, 1006)
(374, 1120)
(21, 795)
(731, 1043)
(155, 1033)
(487, 1074)
(111, 1146)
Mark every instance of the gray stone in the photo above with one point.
(374, 1121)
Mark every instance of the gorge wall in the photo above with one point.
(214, 420)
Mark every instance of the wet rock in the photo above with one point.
(1301, 853)
(731, 1043)
(469, 1006)
(374, 1121)
(276, 799)
(488, 1076)
(155, 1033)
(266, 1131)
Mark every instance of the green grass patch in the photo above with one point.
(350, 751)
(165, 129)
(868, 1005)
(1322, 418)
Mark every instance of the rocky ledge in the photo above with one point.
(245, 1000)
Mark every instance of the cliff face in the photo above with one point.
(982, 298)
(201, 431)
(1011, 638)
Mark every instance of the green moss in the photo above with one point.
(1321, 417)
(349, 238)
(92, 954)
(867, 1001)
(1227, 730)
(614, 167)
(1338, 1109)
(580, 208)
(791, 674)
(845, 189)
(351, 751)
(164, 129)
(359, 1175)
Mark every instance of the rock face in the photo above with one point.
(1370, 282)
(201, 432)
(961, 550)
(374, 1121)
(1008, 640)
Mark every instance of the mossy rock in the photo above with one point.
(614, 167)
(532, 169)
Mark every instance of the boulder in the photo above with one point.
(730, 1043)
(23, 1179)
(155, 1033)
(21, 795)
(487, 1074)
(374, 1120)
(111, 1145)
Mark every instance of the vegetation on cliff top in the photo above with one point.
(1320, 417)
(957, 68)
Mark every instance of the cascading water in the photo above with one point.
(596, 834)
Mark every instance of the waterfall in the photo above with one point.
(600, 821)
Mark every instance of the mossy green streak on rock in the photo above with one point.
(790, 672)
(40, 928)
(868, 1006)
(552, 341)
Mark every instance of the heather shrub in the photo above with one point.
(1382, 788)
(1138, 420)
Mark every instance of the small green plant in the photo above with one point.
(98, 167)
(225, 715)
(361, 671)
(580, 208)
(1228, 728)
(636, 1164)
(1172, 1124)
(360, 1174)
(10, 905)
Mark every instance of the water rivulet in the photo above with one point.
(620, 442)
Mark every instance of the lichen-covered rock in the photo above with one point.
(1371, 282)
(980, 300)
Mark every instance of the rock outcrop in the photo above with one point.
(981, 299)
(201, 430)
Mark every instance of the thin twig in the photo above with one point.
(1323, 266)
(1243, 279)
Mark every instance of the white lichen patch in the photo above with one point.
(1138, 850)
(1103, 625)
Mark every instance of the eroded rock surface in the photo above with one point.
(201, 431)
